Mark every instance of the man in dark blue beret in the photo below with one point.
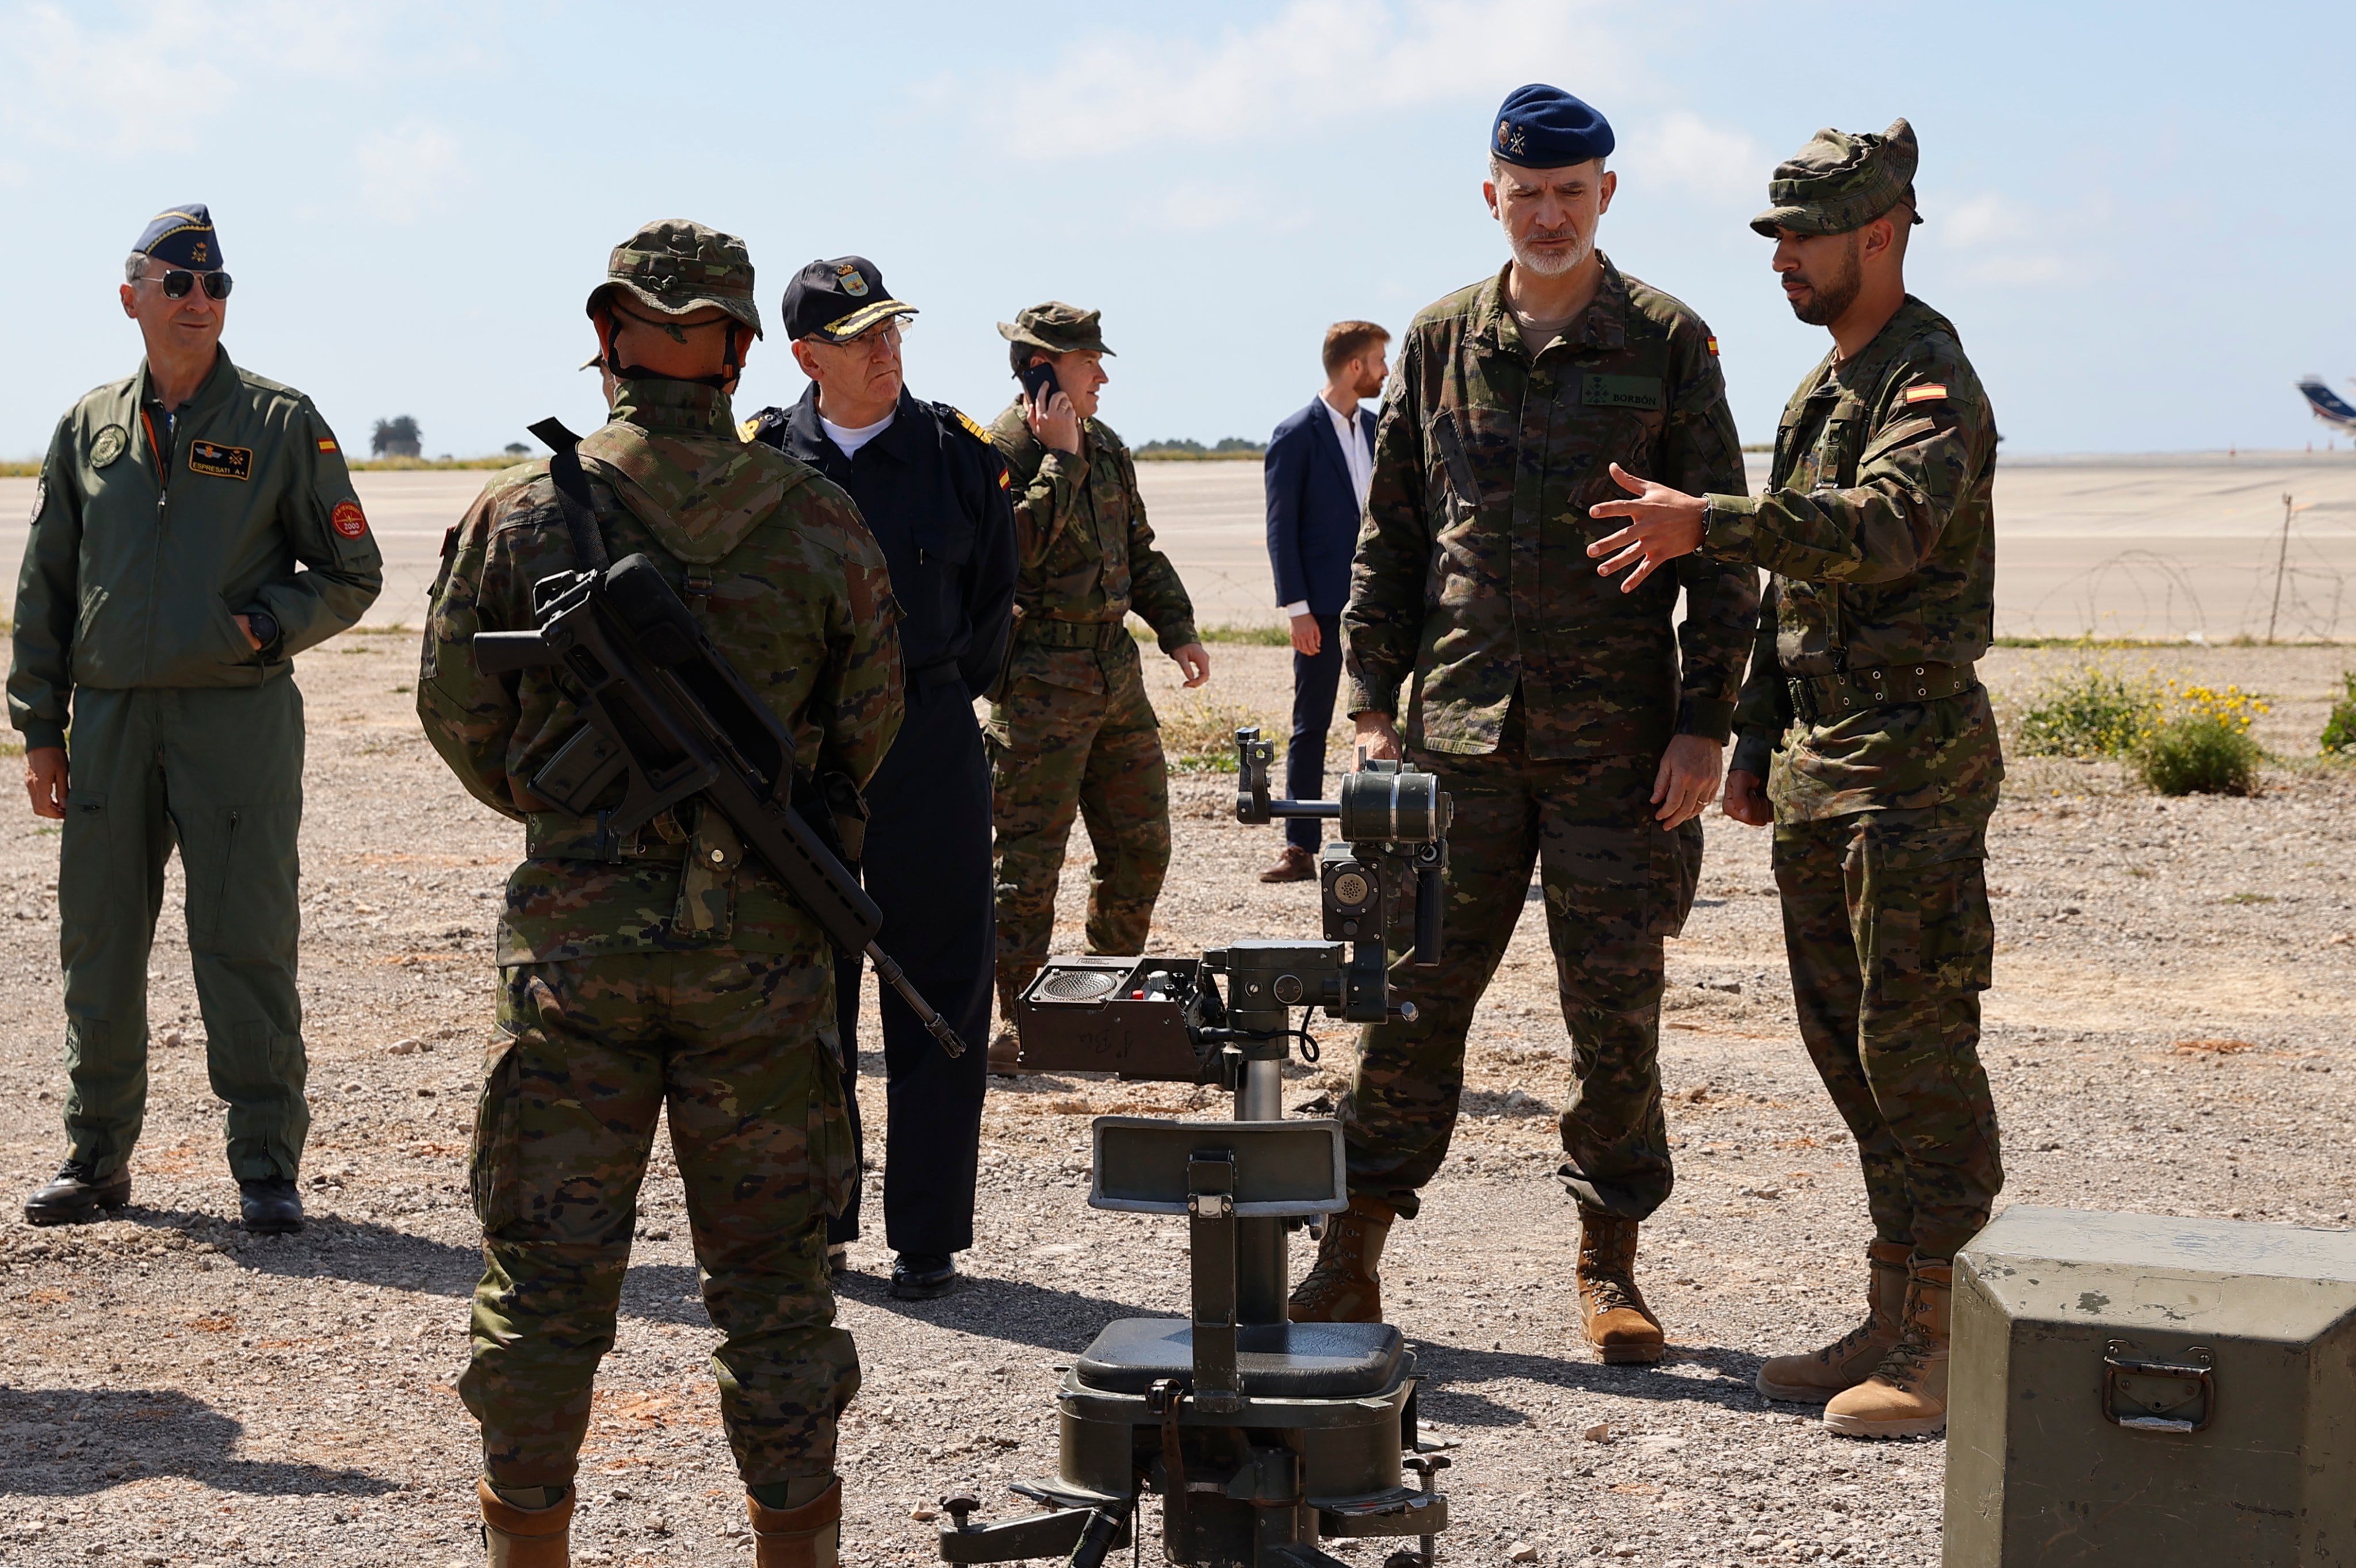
(193, 530)
(1580, 729)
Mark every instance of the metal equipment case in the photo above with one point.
(2140, 1389)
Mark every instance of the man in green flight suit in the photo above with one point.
(1070, 727)
(1866, 739)
(659, 968)
(193, 530)
(1577, 730)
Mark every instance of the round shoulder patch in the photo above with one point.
(348, 520)
(108, 444)
(40, 501)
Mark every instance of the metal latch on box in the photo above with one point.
(2144, 1393)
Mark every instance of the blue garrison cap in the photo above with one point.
(182, 237)
(1544, 127)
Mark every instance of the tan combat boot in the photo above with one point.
(1813, 1377)
(1342, 1286)
(810, 1536)
(1006, 1046)
(1907, 1395)
(1611, 1310)
(525, 1538)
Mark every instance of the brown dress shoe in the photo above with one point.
(1611, 1310)
(810, 1536)
(1342, 1287)
(1907, 1395)
(525, 1538)
(1813, 1377)
(1295, 864)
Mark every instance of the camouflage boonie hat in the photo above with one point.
(1841, 180)
(674, 267)
(1056, 327)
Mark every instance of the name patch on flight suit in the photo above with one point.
(221, 462)
(1598, 390)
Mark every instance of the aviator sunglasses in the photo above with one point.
(177, 281)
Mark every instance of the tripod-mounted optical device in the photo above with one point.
(1258, 1435)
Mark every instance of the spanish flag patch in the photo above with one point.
(1005, 481)
(328, 444)
(1931, 393)
(1713, 347)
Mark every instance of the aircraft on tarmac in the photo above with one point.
(2328, 407)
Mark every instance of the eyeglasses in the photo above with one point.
(178, 282)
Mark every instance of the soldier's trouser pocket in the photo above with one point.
(834, 1160)
(491, 1167)
(1919, 910)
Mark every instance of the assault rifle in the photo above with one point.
(666, 711)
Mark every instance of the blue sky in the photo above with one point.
(2137, 214)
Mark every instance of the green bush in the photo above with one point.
(2199, 754)
(2339, 729)
(2093, 711)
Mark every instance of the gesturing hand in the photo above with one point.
(1662, 525)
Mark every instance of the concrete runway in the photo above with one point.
(2168, 546)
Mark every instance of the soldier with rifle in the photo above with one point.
(655, 953)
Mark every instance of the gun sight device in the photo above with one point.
(1258, 1435)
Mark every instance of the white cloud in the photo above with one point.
(1990, 237)
(1312, 63)
(1687, 151)
(169, 67)
(408, 169)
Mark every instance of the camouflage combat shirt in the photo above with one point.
(1473, 574)
(1877, 525)
(1084, 551)
(774, 562)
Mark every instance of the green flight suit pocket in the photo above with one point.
(492, 1165)
(1919, 909)
(241, 869)
(834, 1166)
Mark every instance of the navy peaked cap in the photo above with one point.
(182, 237)
(1544, 127)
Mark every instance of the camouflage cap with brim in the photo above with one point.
(1056, 327)
(674, 267)
(1841, 180)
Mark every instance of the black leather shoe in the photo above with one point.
(75, 1196)
(921, 1276)
(271, 1206)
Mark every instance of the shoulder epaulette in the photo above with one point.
(965, 419)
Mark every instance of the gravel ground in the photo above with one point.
(2170, 1032)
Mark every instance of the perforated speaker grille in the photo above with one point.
(1079, 985)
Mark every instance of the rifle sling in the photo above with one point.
(572, 495)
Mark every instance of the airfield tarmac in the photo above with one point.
(2165, 546)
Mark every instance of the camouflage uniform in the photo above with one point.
(1878, 526)
(1070, 728)
(653, 969)
(1544, 697)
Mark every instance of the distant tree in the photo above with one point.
(396, 437)
(516, 449)
(1237, 444)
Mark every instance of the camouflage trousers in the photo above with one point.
(1886, 922)
(739, 1047)
(1054, 751)
(1614, 884)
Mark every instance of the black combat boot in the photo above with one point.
(270, 1206)
(76, 1194)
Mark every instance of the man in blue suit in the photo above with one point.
(1320, 462)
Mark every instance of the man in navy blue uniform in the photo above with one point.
(1320, 462)
(933, 491)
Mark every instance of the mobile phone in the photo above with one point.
(1039, 384)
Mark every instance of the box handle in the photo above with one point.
(2142, 1393)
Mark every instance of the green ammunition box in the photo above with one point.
(2138, 1389)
